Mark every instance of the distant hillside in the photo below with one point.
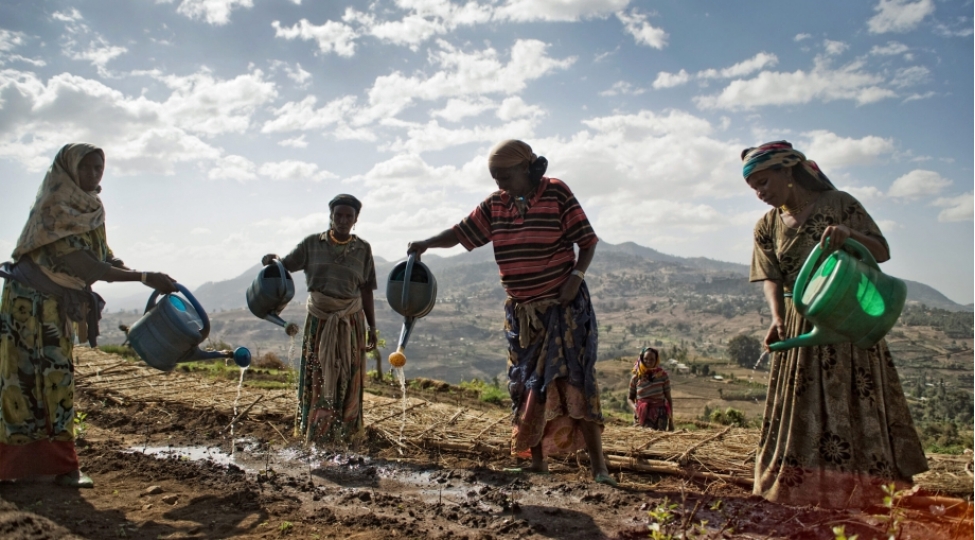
(475, 273)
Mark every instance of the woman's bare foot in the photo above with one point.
(539, 465)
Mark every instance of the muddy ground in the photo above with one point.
(163, 469)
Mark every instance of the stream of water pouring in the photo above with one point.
(294, 378)
(401, 377)
(233, 420)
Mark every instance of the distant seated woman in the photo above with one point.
(650, 393)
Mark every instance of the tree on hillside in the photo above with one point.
(744, 350)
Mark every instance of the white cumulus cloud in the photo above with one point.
(555, 10)
(918, 183)
(215, 12)
(822, 83)
(830, 150)
(960, 208)
(294, 170)
(834, 48)
(331, 37)
(670, 80)
(295, 142)
(138, 133)
(233, 168)
(890, 49)
(745, 67)
(899, 15)
(635, 24)
(623, 88)
(457, 109)
(514, 107)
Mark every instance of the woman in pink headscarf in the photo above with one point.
(836, 424)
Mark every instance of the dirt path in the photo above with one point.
(160, 457)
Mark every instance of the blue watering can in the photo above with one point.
(846, 297)
(270, 292)
(171, 330)
(411, 291)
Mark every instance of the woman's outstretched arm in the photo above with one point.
(446, 239)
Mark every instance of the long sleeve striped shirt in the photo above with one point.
(534, 252)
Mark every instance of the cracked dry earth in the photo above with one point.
(165, 468)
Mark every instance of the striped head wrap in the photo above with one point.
(779, 155)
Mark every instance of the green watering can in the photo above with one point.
(847, 299)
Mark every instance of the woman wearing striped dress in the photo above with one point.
(533, 222)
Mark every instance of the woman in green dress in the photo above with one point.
(47, 301)
(836, 425)
(341, 277)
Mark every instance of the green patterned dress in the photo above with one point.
(836, 425)
(37, 371)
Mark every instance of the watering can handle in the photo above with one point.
(406, 279)
(205, 332)
(861, 251)
(812, 262)
(282, 270)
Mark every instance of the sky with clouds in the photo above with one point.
(229, 124)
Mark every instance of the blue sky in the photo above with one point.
(229, 124)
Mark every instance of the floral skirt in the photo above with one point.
(336, 415)
(836, 425)
(36, 386)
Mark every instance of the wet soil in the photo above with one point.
(165, 470)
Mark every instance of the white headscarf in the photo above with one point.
(62, 208)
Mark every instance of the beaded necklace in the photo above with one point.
(336, 241)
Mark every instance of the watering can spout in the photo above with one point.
(241, 356)
(271, 317)
(818, 336)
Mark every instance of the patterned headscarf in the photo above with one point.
(647, 366)
(780, 154)
(510, 153)
(62, 208)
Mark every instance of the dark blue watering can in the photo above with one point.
(171, 330)
(411, 291)
(270, 292)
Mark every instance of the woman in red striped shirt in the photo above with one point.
(533, 222)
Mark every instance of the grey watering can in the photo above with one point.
(270, 292)
(411, 291)
(171, 330)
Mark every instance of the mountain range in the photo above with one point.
(477, 268)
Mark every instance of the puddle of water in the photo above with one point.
(190, 453)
